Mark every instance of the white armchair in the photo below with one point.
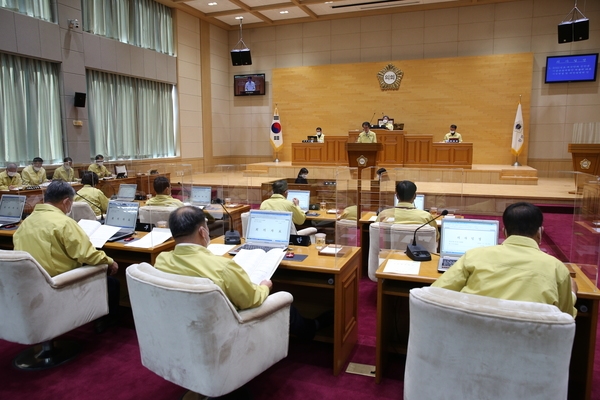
(468, 347)
(36, 308)
(190, 333)
(153, 214)
(397, 237)
(81, 210)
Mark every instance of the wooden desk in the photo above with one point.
(34, 196)
(392, 307)
(320, 283)
(110, 187)
(216, 211)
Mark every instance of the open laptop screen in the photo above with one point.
(269, 227)
(419, 201)
(459, 235)
(201, 195)
(122, 214)
(127, 191)
(11, 206)
(303, 197)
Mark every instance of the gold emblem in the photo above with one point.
(390, 77)
(585, 164)
(362, 161)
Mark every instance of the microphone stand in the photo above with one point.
(231, 236)
(416, 252)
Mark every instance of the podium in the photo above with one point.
(363, 155)
(586, 159)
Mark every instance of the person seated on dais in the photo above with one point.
(279, 202)
(163, 197)
(99, 168)
(10, 178)
(65, 172)
(320, 135)
(387, 124)
(89, 194)
(453, 135)
(35, 174)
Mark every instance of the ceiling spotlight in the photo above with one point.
(283, 12)
(214, 3)
(240, 18)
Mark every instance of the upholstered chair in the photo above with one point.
(468, 347)
(36, 308)
(82, 210)
(190, 333)
(153, 214)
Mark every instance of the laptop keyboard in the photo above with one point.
(448, 262)
(254, 246)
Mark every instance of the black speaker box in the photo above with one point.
(581, 30)
(79, 99)
(565, 32)
(241, 57)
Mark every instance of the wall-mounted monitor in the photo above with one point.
(574, 68)
(249, 85)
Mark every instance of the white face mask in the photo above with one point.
(11, 174)
(36, 169)
(453, 132)
(67, 166)
(303, 176)
(385, 121)
(100, 163)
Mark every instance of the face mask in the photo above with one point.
(67, 166)
(11, 174)
(318, 133)
(100, 163)
(385, 121)
(452, 132)
(36, 169)
(303, 176)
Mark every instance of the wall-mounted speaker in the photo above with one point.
(241, 57)
(79, 99)
(574, 31)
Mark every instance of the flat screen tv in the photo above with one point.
(574, 68)
(249, 85)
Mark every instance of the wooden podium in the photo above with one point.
(363, 155)
(586, 159)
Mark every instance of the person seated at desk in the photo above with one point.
(350, 213)
(385, 123)
(452, 135)
(89, 194)
(516, 269)
(405, 212)
(320, 136)
(99, 168)
(35, 174)
(163, 197)
(59, 245)
(279, 202)
(366, 136)
(10, 178)
(191, 258)
(302, 174)
(65, 172)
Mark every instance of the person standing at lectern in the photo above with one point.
(366, 136)
(320, 136)
(453, 135)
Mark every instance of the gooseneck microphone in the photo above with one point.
(231, 236)
(416, 252)
(93, 204)
(371, 121)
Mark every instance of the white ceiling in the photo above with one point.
(258, 13)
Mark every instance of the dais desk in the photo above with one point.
(320, 283)
(392, 308)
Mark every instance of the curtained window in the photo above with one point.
(30, 118)
(130, 118)
(142, 23)
(40, 9)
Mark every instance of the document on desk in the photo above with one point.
(258, 264)
(220, 249)
(98, 233)
(402, 267)
(154, 238)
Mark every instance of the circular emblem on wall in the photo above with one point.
(362, 161)
(585, 164)
(390, 77)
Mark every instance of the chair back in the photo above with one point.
(397, 237)
(191, 334)
(121, 169)
(474, 347)
(153, 214)
(82, 210)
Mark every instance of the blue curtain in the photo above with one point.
(142, 23)
(34, 8)
(130, 118)
(30, 117)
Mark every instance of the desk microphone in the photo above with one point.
(93, 204)
(231, 236)
(416, 252)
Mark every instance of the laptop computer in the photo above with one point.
(267, 230)
(126, 192)
(303, 197)
(122, 214)
(459, 235)
(11, 209)
(312, 138)
(201, 196)
(419, 201)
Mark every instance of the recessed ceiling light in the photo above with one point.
(212, 3)
(239, 17)
(283, 12)
(328, 2)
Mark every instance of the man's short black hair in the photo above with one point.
(453, 126)
(405, 190)
(161, 183)
(366, 123)
(67, 159)
(99, 157)
(280, 187)
(38, 159)
(523, 219)
(319, 128)
(186, 220)
(57, 191)
(89, 178)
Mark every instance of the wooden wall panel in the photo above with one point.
(479, 94)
